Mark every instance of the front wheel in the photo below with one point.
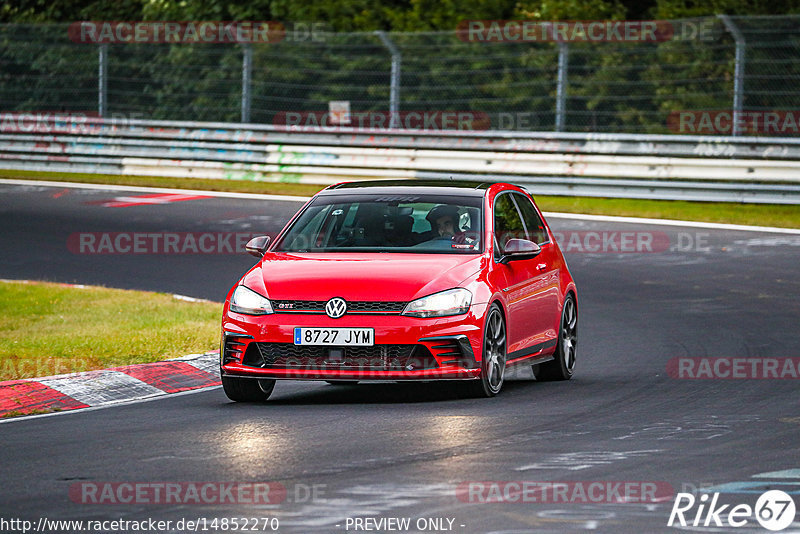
(247, 389)
(563, 365)
(493, 364)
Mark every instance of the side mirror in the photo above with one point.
(257, 246)
(519, 249)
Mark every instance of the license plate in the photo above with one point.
(347, 337)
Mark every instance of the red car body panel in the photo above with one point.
(530, 294)
(361, 276)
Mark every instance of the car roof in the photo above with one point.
(444, 187)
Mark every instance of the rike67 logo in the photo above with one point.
(774, 510)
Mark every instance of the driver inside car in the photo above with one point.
(444, 224)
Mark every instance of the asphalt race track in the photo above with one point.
(401, 451)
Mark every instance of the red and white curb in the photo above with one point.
(148, 200)
(109, 386)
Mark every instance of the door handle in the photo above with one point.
(541, 267)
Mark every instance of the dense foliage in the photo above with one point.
(392, 15)
(611, 86)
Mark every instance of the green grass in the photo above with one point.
(238, 186)
(722, 212)
(48, 329)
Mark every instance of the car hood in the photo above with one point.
(359, 277)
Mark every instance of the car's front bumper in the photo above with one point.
(405, 348)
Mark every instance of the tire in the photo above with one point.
(493, 360)
(247, 389)
(342, 382)
(563, 365)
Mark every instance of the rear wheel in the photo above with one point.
(562, 366)
(493, 364)
(247, 389)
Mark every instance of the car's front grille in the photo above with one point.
(355, 307)
(298, 306)
(311, 357)
(368, 307)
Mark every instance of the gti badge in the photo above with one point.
(335, 307)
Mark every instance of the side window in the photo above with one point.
(507, 222)
(533, 223)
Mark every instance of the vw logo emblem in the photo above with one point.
(335, 307)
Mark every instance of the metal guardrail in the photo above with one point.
(741, 169)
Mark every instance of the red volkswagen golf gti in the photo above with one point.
(399, 280)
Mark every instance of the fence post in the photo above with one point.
(102, 80)
(738, 73)
(394, 89)
(561, 87)
(247, 74)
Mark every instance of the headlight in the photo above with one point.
(450, 302)
(247, 301)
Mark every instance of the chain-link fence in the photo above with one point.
(690, 79)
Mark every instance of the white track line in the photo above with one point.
(672, 222)
(287, 198)
(192, 299)
(221, 194)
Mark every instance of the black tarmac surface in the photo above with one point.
(381, 451)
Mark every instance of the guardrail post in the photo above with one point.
(738, 73)
(561, 87)
(102, 80)
(394, 89)
(247, 74)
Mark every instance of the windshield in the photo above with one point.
(388, 223)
